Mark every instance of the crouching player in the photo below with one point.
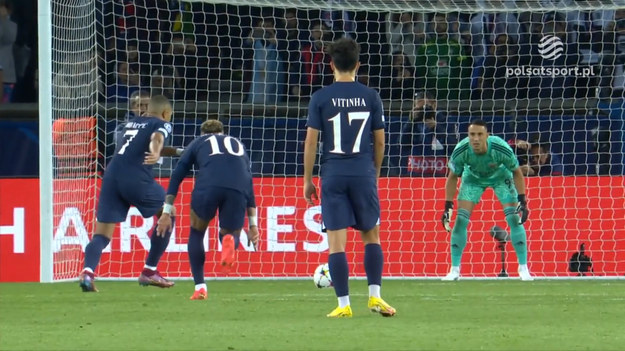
(223, 182)
(485, 161)
(128, 181)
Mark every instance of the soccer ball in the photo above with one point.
(322, 277)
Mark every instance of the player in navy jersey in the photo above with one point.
(128, 181)
(350, 115)
(223, 182)
(138, 105)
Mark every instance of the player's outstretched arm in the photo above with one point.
(164, 221)
(170, 151)
(156, 145)
(177, 176)
(378, 150)
(252, 232)
(310, 152)
(519, 183)
(450, 192)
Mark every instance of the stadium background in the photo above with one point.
(274, 135)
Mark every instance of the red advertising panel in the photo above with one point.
(19, 230)
(564, 212)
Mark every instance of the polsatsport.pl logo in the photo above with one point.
(550, 48)
(530, 71)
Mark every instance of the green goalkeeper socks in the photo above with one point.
(459, 236)
(517, 234)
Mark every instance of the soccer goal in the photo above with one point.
(547, 76)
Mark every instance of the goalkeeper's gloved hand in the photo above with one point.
(446, 219)
(522, 210)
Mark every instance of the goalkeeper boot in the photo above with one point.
(524, 273)
(154, 278)
(380, 306)
(454, 274)
(199, 295)
(341, 312)
(227, 253)
(85, 280)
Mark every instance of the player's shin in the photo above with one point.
(339, 271)
(197, 257)
(374, 261)
(158, 245)
(459, 236)
(94, 249)
(517, 235)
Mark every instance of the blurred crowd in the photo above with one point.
(194, 51)
(18, 51)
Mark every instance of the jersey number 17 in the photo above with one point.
(361, 117)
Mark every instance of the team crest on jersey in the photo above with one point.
(492, 165)
(168, 127)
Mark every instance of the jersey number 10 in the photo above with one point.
(228, 145)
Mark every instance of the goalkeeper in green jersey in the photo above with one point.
(483, 160)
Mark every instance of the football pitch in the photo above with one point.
(290, 315)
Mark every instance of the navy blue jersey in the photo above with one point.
(347, 113)
(134, 143)
(220, 161)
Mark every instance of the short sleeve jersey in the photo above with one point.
(498, 160)
(133, 145)
(346, 113)
(220, 160)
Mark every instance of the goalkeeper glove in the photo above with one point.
(449, 205)
(522, 210)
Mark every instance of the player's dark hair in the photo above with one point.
(212, 126)
(345, 53)
(479, 122)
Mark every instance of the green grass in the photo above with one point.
(290, 315)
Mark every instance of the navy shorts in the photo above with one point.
(350, 202)
(231, 203)
(117, 195)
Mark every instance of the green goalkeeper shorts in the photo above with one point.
(471, 189)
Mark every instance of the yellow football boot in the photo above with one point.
(345, 312)
(380, 306)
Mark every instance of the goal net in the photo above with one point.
(547, 76)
